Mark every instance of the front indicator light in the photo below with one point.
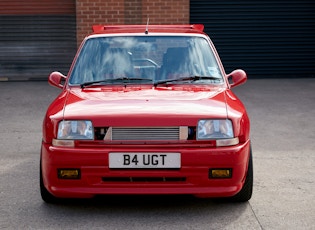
(63, 143)
(220, 173)
(69, 174)
(227, 142)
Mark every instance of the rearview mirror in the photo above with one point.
(238, 77)
(57, 79)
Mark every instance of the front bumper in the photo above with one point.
(97, 178)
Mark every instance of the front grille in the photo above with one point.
(163, 133)
(151, 133)
(144, 179)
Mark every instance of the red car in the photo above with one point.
(146, 109)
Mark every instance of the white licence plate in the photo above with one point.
(144, 160)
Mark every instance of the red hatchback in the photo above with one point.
(146, 110)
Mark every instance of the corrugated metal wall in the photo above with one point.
(37, 37)
(265, 38)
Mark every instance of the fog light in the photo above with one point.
(69, 174)
(220, 173)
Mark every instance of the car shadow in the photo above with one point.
(150, 211)
(143, 201)
(175, 207)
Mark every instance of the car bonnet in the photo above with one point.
(127, 101)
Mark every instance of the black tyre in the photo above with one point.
(246, 192)
(46, 196)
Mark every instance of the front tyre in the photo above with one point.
(45, 194)
(246, 192)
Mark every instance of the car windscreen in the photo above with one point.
(155, 58)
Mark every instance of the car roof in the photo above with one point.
(146, 29)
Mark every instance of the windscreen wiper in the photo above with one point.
(191, 78)
(123, 80)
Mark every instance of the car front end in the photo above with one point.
(178, 133)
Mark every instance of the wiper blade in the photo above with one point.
(191, 78)
(94, 82)
(124, 80)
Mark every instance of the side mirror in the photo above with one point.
(238, 77)
(57, 79)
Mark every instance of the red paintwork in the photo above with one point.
(132, 28)
(145, 105)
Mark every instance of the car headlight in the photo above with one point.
(216, 129)
(75, 130)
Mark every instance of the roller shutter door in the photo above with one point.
(266, 38)
(37, 37)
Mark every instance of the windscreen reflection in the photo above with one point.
(156, 58)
